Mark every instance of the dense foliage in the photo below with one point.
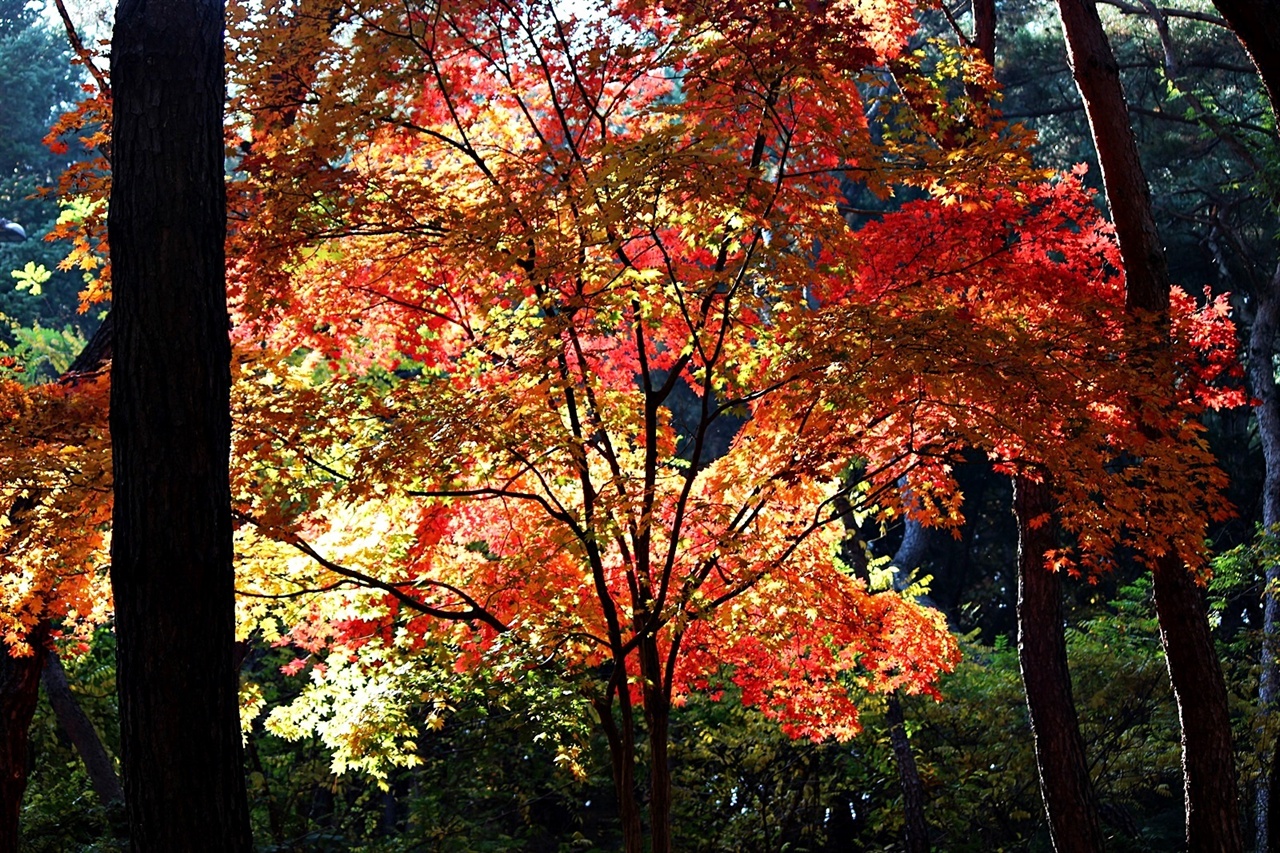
(590, 365)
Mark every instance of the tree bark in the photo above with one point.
(657, 713)
(1257, 25)
(1097, 76)
(915, 830)
(622, 758)
(1065, 787)
(909, 557)
(1207, 760)
(984, 29)
(171, 566)
(1266, 409)
(19, 692)
(1213, 819)
(79, 729)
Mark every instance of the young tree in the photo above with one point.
(171, 566)
(487, 243)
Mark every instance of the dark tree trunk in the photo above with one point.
(1257, 24)
(910, 556)
(1097, 76)
(915, 830)
(171, 566)
(1266, 410)
(19, 692)
(622, 761)
(83, 736)
(1208, 764)
(657, 713)
(984, 29)
(1065, 786)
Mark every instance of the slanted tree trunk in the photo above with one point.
(19, 692)
(1256, 24)
(79, 729)
(20, 677)
(1212, 819)
(1065, 787)
(171, 565)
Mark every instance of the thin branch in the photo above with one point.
(85, 55)
(475, 613)
(1133, 9)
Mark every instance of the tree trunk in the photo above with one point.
(915, 830)
(984, 29)
(1097, 76)
(1266, 410)
(1208, 763)
(19, 692)
(1257, 24)
(657, 713)
(909, 557)
(171, 565)
(79, 729)
(1207, 760)
(1069, 801)
(622, 761)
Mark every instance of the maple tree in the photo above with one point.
(480, 249)
(483, 244)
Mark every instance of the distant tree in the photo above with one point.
(38, 82)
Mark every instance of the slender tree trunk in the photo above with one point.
(622, 761)
(657, 713)
(1207, 761)
(915, 830)
(658, 716)
(78, 728)
(19, 692)
(1065, 786)
(171, 566)
(909, 557)
(1266, 410)
(1097, 76)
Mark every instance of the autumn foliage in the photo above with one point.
(482, 249)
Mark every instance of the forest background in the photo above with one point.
(419, 752)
